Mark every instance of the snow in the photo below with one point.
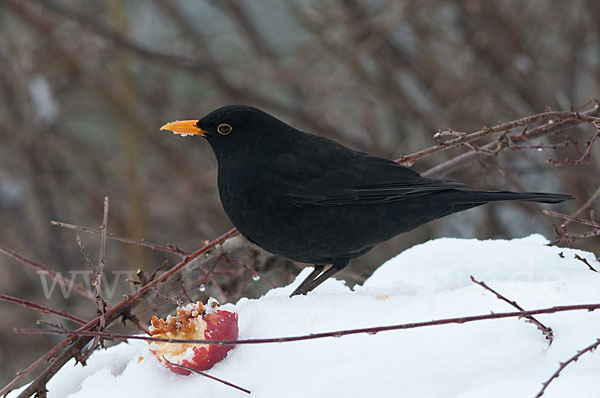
(494, 358)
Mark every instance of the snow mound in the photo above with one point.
(498, 358)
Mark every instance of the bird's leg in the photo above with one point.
(318, 269)
(338, 265)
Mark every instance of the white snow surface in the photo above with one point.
(494, 358)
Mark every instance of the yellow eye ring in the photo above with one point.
(224, 129)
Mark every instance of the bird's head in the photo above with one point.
(232, 128)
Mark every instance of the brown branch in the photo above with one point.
(546, 331)
(134, 319)
(488, 131)
(104, 230)
(88, 260)
(564, 236)
(141, 242)
(206, 375)
(516, 147)
(73, 350)
(571, 218)
(586, 262)
(570, 238)
(42, 269)
(43, 309)
(585, 155)
(563, 233)
(584, 206)
(112, 314)
(563, 365)
(313, 336)
(471, 156)
(100, 303)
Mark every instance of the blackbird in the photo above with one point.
(315, 201)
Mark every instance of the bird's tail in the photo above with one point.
(480, 197)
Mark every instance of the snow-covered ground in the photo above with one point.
(495, 358)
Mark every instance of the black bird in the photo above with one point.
(313, 200)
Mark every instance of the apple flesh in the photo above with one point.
(194, 321)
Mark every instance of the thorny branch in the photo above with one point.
(584, 206)
(74, 343)
(206, 63)
(140, 242)
(586, 153)
(206, 375)
(528, 134)
(337, 333)
(100, 303)
(43, 309)
(565, 236)
(546, 331)
(88, 260)
(42, 269)
(551, 117)
(563, 365)
(71, 345)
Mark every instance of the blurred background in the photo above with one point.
(85, 86)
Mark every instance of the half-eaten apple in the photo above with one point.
(194, 321)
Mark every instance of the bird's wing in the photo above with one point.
(334, 176)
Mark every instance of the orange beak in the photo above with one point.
(184, 127)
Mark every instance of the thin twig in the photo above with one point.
(468, 157)
(487, 131)
(98, 279)
(43, 309)
(586, 262)
(571, 218)
(585, 155)
(87, 257)
(42, 269)
(546, 331)
(134, 319)
(112, 313)
(206, 375)
(140, 242)
(584, 206)
(563, 365)
(313, 336)
(185, 292)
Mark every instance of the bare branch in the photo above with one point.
(546, 331)
(586, 262)
(563, 234)
(42, 269)
(87, 257)
(563, 365)
(529, 134)
(123, 307)
(141, 242)
(100, 303)
(206, 375)
(488, 131)
(43, 309)
(584, 206)
(313, 336)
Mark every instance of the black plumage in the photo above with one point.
(313, 200)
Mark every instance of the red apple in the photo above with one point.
(194, 321)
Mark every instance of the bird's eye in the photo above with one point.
(224, 129)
